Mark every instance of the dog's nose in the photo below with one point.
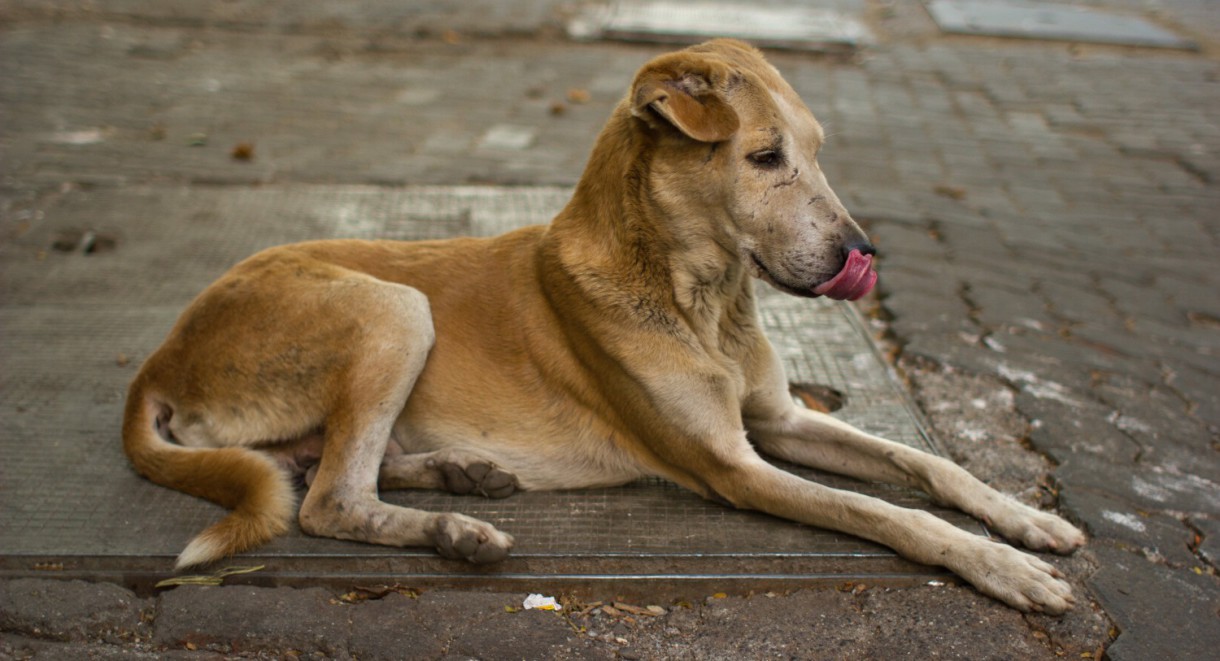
(864, 247)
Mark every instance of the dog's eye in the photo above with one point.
(767, 158)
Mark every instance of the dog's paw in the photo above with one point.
(464, 473)
(1037, 530)
(460, 537)
(1017, 578)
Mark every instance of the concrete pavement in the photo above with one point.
(1047, 219)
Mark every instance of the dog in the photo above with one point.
(620, 341)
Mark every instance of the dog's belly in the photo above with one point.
(541, 456)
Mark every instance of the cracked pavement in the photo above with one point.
(1046, 216)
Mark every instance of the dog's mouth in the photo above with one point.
(851, 283)
(856, 279)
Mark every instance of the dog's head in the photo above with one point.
(736, 146)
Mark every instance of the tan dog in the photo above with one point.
(620, 341)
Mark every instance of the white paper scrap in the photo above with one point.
(540, 602)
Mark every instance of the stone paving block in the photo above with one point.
(1040, 236)
(249, 620)
(394, 627)
(919, 313)
(1118, 339)
(1041, 375)
(911, 243)
(1065, 258)
(966, 213)
(922, 626)
(461, 625)
(979, 243)
(923, 285)
(1199, 389)
(1146, 487)
(1159, 420)
(1002, 307)
(1162, 613)
(1181, 333)
(1065, 426)
(423, 16)
(72, 610)
(949, 351)
(1075, 353)
(887, 205)
(31, 649)
(1037, 200)
(1080, 304)
(537, 634)
(1141, 300)
(1159, 537)
(1180, 236)
(975, 418)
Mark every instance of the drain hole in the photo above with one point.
(817, 397)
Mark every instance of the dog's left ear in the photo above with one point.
(681, 90)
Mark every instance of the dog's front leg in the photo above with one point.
(820, 441)
(1012, 576)
(705, 447)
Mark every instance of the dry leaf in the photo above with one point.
(380, 591)
(243, 151)
(215, 578)
(578, 95)
(951, 192)
(576, 609)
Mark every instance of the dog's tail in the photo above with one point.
(243, 480)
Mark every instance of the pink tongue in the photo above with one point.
(854, 281)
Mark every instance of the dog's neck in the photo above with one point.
(619, 244)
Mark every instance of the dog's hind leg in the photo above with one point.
(454, 470)
(342, 500)
(821, 441)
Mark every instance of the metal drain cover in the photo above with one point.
(793, 26)
(1041, 20)
(76, 325)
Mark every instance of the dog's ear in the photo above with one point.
(681, 90)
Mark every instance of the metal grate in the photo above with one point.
(75, 326)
